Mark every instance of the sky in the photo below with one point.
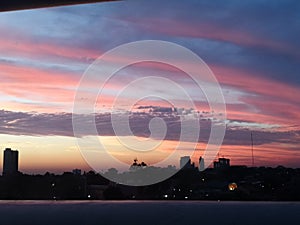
(252, 47)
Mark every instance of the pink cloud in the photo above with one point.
(31, 75)
(18, 44)
(268, 101)
(270, 154)
(31, 84)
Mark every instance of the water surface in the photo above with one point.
(148, 212)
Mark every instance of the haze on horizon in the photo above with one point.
(252, 47)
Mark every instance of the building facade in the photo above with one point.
(185, 163)
(223, 163)
(201, 164)
(10, 162)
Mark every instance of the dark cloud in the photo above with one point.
(35, 124)
(47, 124)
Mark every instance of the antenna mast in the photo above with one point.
(252, 149)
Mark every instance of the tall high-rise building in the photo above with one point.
(10, 161)
(185, 161)
(201, 164)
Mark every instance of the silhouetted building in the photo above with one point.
(10, 162)
(222, 163)
(185, 163)
(185, 160)
(201, 164)
(76, 171)
(136, 166)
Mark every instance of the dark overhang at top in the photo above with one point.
(10, 5)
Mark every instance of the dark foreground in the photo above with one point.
(234, 183)
(148, 212)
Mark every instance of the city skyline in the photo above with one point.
(11, 164)
(251, 47)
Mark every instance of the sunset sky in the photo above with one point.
(252, 47)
